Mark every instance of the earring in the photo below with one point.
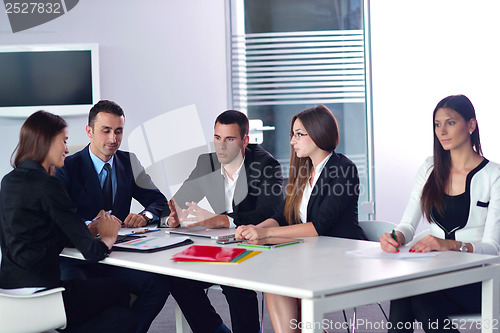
(470, 133)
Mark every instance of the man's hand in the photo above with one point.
(217, 221)
(197, 213)
(134, 221)
(174, 218)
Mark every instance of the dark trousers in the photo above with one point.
(98, 305)
(201, 315)
(432, 309)
(151, 289)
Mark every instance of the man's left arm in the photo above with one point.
(146, 193)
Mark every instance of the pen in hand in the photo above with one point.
(395, 238)
(98, 217)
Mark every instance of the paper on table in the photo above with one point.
(377, 253)
(140, 230)
(151, 243)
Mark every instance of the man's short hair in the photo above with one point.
(234, 117)
(104, 106)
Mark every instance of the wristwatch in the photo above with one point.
(463, 247)
(147, 216)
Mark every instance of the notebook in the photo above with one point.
(148, 244)
(220, 233)
(213, 254)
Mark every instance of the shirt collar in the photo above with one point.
(98, 163)
(322, 164)
(235, 175)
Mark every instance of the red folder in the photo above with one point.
(205, 253)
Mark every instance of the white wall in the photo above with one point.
(423, 51)
(155, 56)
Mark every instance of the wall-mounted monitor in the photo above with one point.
(60, 78)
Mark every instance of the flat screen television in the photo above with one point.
(61, 78)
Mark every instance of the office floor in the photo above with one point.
(369, 318)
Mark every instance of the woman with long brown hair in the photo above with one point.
(38, 219)
(321, 198)
(458, 192)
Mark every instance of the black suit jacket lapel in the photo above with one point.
(216, 191)
(91, 183)
(121, 178)
(322, 181)
(245, 177)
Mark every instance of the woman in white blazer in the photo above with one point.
(458, 192)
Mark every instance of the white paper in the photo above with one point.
(377, 253)
(148, 243)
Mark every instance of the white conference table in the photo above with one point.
(326, 278)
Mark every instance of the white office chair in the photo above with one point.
(37, 312)
(373, 231)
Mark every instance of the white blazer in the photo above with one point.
(483, 225)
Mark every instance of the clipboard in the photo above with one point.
(149, 244)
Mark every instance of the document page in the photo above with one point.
(404, 253)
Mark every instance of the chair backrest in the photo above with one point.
(32, 313)
(375, 229)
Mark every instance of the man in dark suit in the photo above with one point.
(243, 184)
(102, 177)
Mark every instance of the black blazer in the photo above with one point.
(259, 190)
(82, 183)
(37, 219)
(333, 205)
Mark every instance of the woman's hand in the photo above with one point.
(108, 228)
(389, 244)
(431, 243)
(250, 232)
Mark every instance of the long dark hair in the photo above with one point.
(323, 129)
(36, 136)
(434, 189)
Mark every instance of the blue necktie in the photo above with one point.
(107, 189)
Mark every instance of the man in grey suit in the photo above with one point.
(243, 183)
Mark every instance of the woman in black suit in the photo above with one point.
(321, 198)
(38, 219)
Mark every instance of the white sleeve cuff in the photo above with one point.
(231, 222)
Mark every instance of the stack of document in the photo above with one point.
(149, 244)
(214, 254)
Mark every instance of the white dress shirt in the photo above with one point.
(306, 195)
(229, 187)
